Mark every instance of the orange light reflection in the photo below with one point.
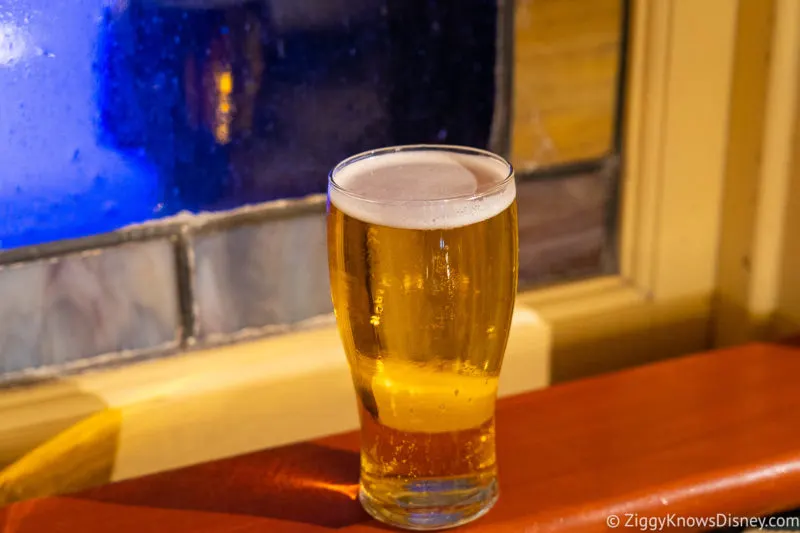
(350, 490)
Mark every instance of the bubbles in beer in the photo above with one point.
(408, 235)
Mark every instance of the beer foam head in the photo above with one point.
(423, 188)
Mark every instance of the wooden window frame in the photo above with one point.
(677, 103)
(758, 292)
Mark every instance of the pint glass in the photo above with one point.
(422, 249)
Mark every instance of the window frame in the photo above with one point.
(758, 283)
(676, 110)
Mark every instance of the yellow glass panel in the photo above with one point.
(567, 56)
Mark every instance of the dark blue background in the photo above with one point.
(110, 111)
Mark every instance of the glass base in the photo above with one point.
(429, 504)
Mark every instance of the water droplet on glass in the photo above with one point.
(110, 208)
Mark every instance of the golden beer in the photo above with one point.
(423, 262)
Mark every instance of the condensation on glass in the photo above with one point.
(114, 112)
(120, 111)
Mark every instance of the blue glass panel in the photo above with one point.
(120, 111)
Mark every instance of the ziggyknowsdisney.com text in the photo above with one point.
(719, 520)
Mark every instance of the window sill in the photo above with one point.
(208, 404)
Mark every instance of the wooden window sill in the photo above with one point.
(208, 404)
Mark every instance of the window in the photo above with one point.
(137, 110)
(135, 113)
(141, 112)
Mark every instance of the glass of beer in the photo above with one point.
(422, 249)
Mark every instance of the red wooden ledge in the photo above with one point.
(700, 436)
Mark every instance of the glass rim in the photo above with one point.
(446, 148)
